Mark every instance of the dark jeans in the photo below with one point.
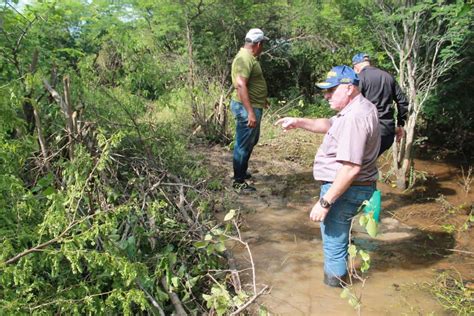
(385, 143)
(245, 138)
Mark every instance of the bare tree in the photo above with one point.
(424, 41)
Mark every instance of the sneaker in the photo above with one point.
(243, 187)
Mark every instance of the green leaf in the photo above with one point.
(262, 311)
(220, 247)
(448, 228)
(464, 10)
(201, 244)
(161, 295)
(175, 281)
(363, 220)
(345, 293)
(365, 266)
(371, 227)
(208, 237)
(237, 301)
(172, 259)
(131, 246)
(217, 231)
(364, 255)
(49, 191)
(352, 251)
(210, 249)
(114, 237)
(354, 302)
(230, 215)
(192, 282)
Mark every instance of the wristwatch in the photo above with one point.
(324, 203)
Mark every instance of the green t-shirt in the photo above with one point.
(247, 66)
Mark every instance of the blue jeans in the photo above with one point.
(245, 138)
(336, 226)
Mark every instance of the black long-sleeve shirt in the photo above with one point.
(380, 88)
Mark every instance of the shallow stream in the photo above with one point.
(408, 254)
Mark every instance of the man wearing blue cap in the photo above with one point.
(247, 104)
(345, 164)
(380, 88)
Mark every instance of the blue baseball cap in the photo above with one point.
(339, 75)
(360, 57)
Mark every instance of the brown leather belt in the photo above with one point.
(363, 183)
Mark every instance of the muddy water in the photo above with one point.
(287, 251)
(286, 248)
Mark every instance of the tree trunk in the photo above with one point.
(28, 110)
(41, 139)
(403, 158)
(70, 118)
(403, 153)
(191, 81)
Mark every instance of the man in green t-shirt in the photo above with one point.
(247, 104)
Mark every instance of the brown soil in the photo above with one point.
(423, 231)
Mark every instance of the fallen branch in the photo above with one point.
(71, 225)
(49, 242)
(181, 207)
(152, 300)
(233, 271)
(62, 301)
(249, 252)
(178, 306)
(462, 251)
(250, 301)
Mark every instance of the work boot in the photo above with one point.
(243, 187)
(335, 281)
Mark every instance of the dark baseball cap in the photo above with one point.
(360, 57)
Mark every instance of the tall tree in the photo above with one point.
(424, 40)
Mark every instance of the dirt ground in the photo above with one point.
(423, 232)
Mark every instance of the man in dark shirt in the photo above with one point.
(380, 88)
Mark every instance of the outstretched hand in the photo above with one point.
(287, 123)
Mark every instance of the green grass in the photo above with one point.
(453, 293)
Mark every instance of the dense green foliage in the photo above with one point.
(449, 116)
(104, 207)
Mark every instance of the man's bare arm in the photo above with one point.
(320, 125)
(243, 94)
(344, 178)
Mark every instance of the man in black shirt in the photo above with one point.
(380, 88)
